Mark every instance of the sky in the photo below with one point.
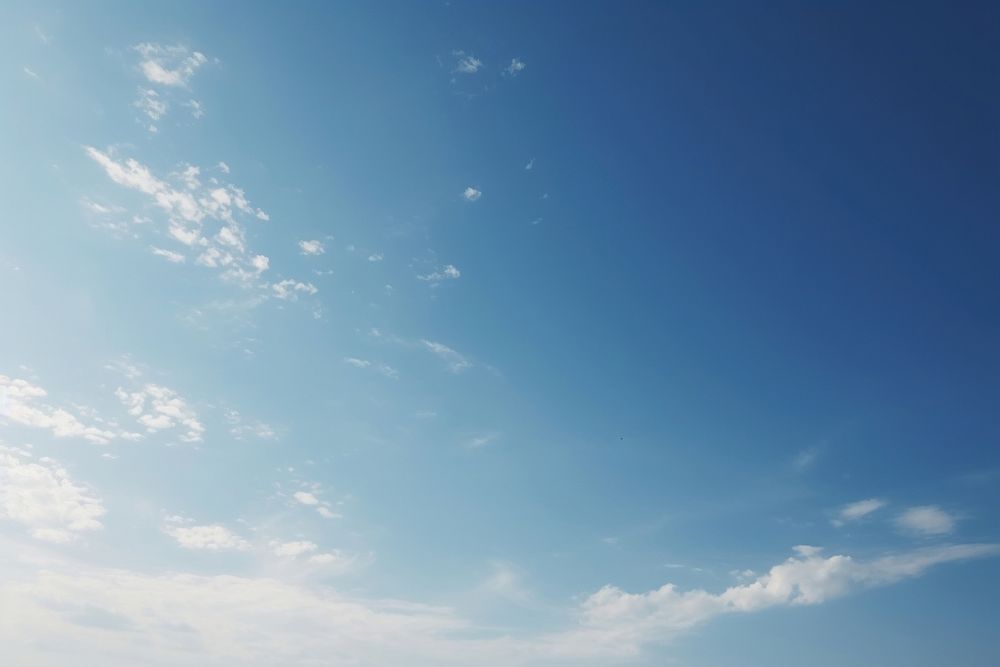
(499, 334)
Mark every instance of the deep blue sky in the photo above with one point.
(745, 298)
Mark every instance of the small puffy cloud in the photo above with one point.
(157, 408)
(313, 247)
(223, 167)
(305, 498)
(30, 72)
(289, 290)
(449, 272)
(530, 165)
(456, 361)
(515, 67)
(168, 255)
(375, 257)
(806, 458)
(857, 510)
(471, 194)
(926, 520)
(41, 496)
(208, 538)
(260, 263)
(466, 63)
(197, 109)
(292, 549)
(168, 65)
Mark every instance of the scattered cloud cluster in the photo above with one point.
(165, 67)
(40, 495)
(189, 205)
(21, 403)
(158, 408)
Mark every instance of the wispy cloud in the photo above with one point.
(457, 363)
(471, 194)
(448, 272)
(169, 255)
(857, 510)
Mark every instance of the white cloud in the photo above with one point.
(616, 624)
(187, 619)
(327, 513)
(466, 64)
(150, 103)
(41, 495)
(449, 272)
(223, 167)
(313, 247)
(926, 520)
(20, 403)
(530, 165)
(305, 498)
(289, 289)
(857, 510)
(168, 65)
(197, 109)
(456, 361)
(157, 408)
(375, 257)
(208, 538)
(292, 549)
(168, 255)
(30, 72)
(192, 619)
(322, 507)
(189, 207)
(471, 194)
(515, 67)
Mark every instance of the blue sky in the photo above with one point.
(521, 334)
